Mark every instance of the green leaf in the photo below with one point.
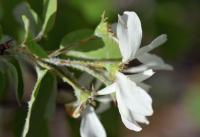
(76, 37)
(13, 78)
(81, 40)
(36, 49)
(109, 50)
(102, 29)
(20, 88)
(10, 77)
(18, 121)
(32, 45)
(24, 9)
(41, 105)
(50, 8)
(27, 28)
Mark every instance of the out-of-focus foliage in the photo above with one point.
(92, 10)
(1, 32)
(193, 102)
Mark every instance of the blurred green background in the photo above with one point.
(176, 94)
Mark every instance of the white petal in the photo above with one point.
(141, 76)
(154, 62)
(154, 44)
(134, 32)
(129, 33)
(140, 118)
(132, 125)
(134, 97)
(90, 125)
(122, 36)
(126, 116)
(107, 90)
(137, 69)
(104, 99)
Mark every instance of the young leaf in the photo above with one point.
(27, 28)
(81, 40)
(111, 48)
(24, 9)
(10, 76)
(14, 80)
(50, 8)
(41, 105)
(108, 48)
(20, 88)
(76, 37)
(18, 121)
(36, 49)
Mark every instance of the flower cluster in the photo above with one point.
(133, 101)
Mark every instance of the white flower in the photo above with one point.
(129, 35)
(134, 103)
(90, 124)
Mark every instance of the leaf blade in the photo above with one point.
(36, 49)
(41, 105)
(107, 49)
(20, 87)
(50, 12)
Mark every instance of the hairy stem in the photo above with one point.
(94, 69)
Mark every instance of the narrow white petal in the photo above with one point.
(127, 116)
(134, 97)
(107, 90)
(132, 125)
(103, 99)
(90, 125)
(137, 78)
(154, 62)
(137, 69)
(154, 44)
(140, 118)
(129, 33)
